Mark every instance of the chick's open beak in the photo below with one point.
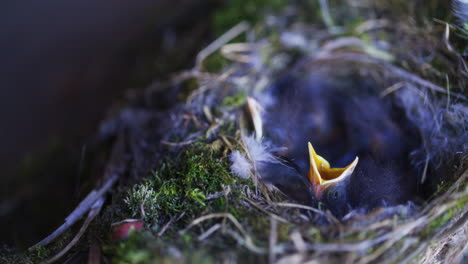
(322, 176)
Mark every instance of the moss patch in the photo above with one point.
(215, 62)
(235, 11)
(181, 184)
(446, 217)
(235, 100)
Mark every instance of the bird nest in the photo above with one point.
(245, 218)
(204, 198)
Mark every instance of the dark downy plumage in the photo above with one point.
(287, 177)
(342, 122)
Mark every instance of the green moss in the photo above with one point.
(366, 38)
(440, 221)
(357, 236)
(442, 187)
(181, 184)
(235, 100)
(132, 250)
(239, 212)
(235, 11)
(228, 128)
(143, 247)
(187, 87)
(284, 231)
(260, 225)
(41, 252)
(315, 234)
(215, 62)
(12, 256)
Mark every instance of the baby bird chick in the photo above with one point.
(330, 184)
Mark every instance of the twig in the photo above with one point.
(96, 208)
(82, 208)
(396, 236)
(442, 233)
(448, 231)
(448, 91)
(95, 253)
(345, 42)
(232, 52)
(91, 198)
(426, 166)
(438, 200)
(397, 86)
(142, 209)
(272, 240)
(163, 230)
(300, 206)
(226, 141)
(247, 242)
(182, 76)
(217, 215)
(298, 241)
(407, 243)
(327, 17)
(208, 232)
(178, 144)
(200, 90)
(279, 218)
(349, 247)
(372, 24)
(216, 195)
(218, 43)
(342, 56)
(435, 212)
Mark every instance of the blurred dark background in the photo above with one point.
(62, 63)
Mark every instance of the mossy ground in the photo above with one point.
(194, 183)
(181, 184)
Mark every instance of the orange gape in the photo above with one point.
(322, 176)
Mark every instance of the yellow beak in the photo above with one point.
(322, 176)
